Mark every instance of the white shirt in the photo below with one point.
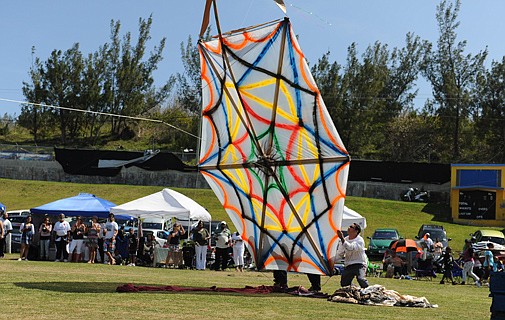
(112, 228)
(353, 251)
(7, 225)
(237, 241)
(22, 226)
(429, 243)
(61, 228)
(222, 238)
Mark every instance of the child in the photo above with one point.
(132, 247)
(447, 262)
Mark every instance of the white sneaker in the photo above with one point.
(478, 284)
(65, 260)
(57, 260)
(19, 259)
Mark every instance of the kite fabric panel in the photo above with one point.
(270, 150)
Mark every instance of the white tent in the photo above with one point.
(350, 216)
(164, 204)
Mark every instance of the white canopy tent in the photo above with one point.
(164, 204)
(350, 216)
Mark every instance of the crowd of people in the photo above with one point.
(107, 242)
(469, 264)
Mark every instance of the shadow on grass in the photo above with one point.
(108, 287)
(71, 287)
(440, 212)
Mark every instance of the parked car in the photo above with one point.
(161, 236)
(381, 239)
(15, 213)
(435, 232)
(494, 236)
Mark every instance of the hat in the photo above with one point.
(427, 234)
(223, 222)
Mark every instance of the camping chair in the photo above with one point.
(425, 270)
(457, 272)
(373, 270)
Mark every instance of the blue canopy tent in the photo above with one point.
(84, 204)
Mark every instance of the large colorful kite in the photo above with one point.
(269, 149)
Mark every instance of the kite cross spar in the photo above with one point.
(269, 149)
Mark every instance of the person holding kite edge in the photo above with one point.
(353, 251)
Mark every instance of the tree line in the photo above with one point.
(370, 96)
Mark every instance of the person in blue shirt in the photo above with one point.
(488, 260)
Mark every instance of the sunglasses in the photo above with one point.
(352, 227)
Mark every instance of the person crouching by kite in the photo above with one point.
(352, 249)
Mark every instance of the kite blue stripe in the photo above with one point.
(260, 57)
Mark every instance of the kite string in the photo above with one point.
(323, 20)
(247, 12)
(99, 113)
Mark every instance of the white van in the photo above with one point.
(158, 227)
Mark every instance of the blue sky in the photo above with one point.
(322, 25)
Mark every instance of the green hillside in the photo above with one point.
(404, 216)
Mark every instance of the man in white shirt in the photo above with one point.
(110, 231)
(223, 237)
(352, 249)
(7, 228)
(61, 231)
(428, 241)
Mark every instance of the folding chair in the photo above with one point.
(425, 270)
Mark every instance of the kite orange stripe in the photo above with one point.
(207, 82)
(272, 259)
(216, 50)
(330, 134)
(226, 204)
(338, 173)
(330, 246)
(301, 65)
(297, 262)
(211, 146)
(260, 200)
(330, 213)
(248, 38)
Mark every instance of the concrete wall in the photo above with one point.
(52, 171)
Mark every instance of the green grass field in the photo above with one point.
(48, 290)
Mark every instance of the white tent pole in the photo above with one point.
(189, 226)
